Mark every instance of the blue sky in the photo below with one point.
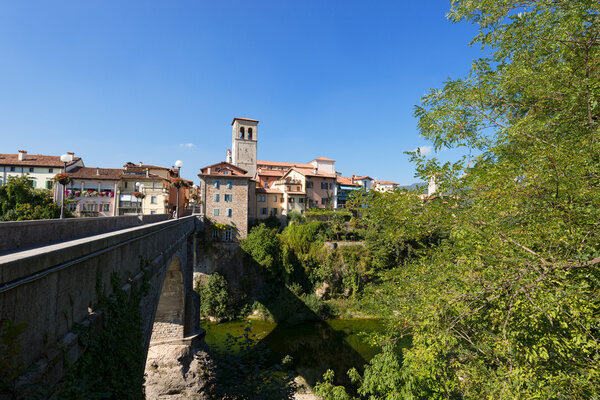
(157, 81)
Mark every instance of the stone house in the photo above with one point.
(225, 194)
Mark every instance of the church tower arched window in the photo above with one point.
(242, 132)
(250, 133)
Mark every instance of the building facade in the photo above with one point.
(40, 169)
(92, 191)
(225, 194)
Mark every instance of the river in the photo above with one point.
(337, 344)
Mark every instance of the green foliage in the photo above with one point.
(215, 298)
(244, 371)
(19, 201)
(295, 217)
(112, 365)
(328, 391)
(263, 246)
(498, 281)
(11, 363)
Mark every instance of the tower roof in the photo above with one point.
(244, 119)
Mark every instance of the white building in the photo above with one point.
(40, 169)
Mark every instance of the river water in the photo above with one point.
(336, 344)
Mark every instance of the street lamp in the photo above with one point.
(195, 187)
(65, 158)
(178, 164)
(142, 198)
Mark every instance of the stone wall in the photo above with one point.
(23, 234)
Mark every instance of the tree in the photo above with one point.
(511, 306)
(20, 201)
(505, 303)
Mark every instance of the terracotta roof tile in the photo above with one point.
(244, 119)
(323, 159)
(283, 164)
(342, 180)
(34, 160)
(96, 173)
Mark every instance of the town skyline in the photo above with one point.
(156, 83)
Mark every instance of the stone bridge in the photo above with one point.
(53, 273)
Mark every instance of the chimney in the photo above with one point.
(22, 154)
(140, 164)
(315, 170)
(147, 173)
(352, 178)
(71, 153)
(97, 170)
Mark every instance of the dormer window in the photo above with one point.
(242, 132)
(250, 133)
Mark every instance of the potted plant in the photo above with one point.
(62, 178)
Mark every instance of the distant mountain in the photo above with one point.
(415, 186)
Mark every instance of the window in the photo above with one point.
(32, 182)
(275, 199)
(250, 133)
(324, 201)
(50, 170)
(154, 185)
(216, 212)
(228, 197)
(229, 212)
(153, 199)
(215, 234)
(263, 211)
(217, 184)
(31, 169)
(266, 185)
(105, 207)
(152, 212)
(242, 132)
(72, 206)
(291, 200)
(273, 211)
(228, 235)
(12, 169)
(301, 200)
(309, 184)
(229, 184)
(125, 184)
(49, 184)
(330, 185)
(261, 197)
(217, 197)
(323, 185)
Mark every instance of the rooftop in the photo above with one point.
(34, 160)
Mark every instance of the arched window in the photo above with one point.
(250, 133)
(242, 132)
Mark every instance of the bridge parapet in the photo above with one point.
(22, 234)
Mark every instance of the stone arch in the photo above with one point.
(242, 132)
(170, 313)
(250, 133)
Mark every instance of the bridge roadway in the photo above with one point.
(53, 286)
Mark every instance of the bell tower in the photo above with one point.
(244, 143)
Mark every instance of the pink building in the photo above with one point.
(92, 192)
